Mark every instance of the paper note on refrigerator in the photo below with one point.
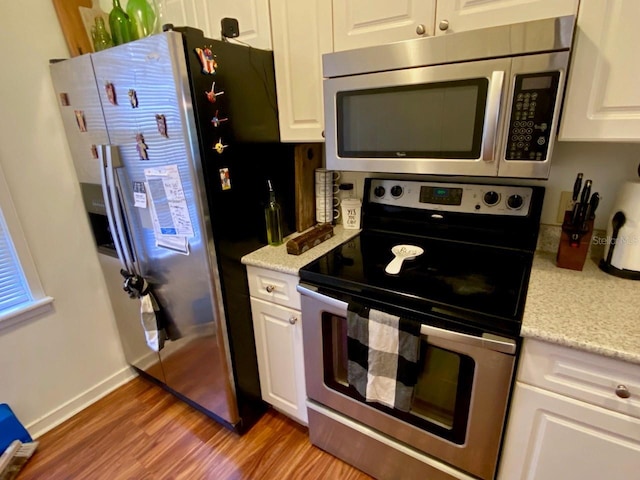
(170, 210)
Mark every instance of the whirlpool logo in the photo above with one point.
(401, 154)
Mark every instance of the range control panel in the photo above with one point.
(453, 197)
(534, 101)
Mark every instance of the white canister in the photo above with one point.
(351, 209)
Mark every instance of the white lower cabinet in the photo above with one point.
(278, 335)
(576, 422)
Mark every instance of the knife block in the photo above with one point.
(574, 244)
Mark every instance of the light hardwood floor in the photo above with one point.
(141, 432)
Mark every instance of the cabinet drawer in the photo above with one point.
(272, 286)
(598, 380)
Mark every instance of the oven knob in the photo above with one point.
(396, 191)
(379, 191)
(515, 202)
(491, 198)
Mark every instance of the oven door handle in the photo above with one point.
(487, 341)
(497, 344)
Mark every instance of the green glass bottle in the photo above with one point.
(120, 24)
(142, 14)
(101, 38)
(273, 218)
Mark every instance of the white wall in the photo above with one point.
(53, 365)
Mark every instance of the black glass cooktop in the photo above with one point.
(460, 276)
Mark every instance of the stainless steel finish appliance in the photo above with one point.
(168, 136)
(622, 250)
(483, 102)
(466, 291)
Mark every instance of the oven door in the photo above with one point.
(435, 120)
(460, 400)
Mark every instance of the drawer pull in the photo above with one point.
(293, 320)
(622, 391)
(270, 288)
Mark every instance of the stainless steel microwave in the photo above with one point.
(483, 102)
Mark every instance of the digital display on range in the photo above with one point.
(441, 195)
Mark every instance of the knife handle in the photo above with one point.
(577, 185)
(586, 192)
(593, 204)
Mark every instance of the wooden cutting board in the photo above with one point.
(308, 157)
(72, 25)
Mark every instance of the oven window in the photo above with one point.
(435, 120)
(442, 395)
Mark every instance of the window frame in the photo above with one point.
(40, 302)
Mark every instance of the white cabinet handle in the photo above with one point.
(293, 320)
(443, 25)
(420, 30)
(622, 391)
(270, 288)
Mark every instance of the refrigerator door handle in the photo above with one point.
(102, 149)
(116, 210)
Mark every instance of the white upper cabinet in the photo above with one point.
(361, 23)
(301, 34)
(252, 15)
(460, 15)
(602, 102)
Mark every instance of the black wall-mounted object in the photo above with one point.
(229, 27)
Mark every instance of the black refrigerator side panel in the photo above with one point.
(234, 83)
(237, 114)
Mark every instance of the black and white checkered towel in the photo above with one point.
(383, 356)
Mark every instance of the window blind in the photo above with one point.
(14, 289)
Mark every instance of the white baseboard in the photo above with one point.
(80, 402)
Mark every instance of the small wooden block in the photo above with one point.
(310, 239)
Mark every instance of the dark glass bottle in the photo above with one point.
(120, 24)
(273, 218)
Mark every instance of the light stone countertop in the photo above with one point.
(277, 258)
(587, 310)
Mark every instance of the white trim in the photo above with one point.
(41, 302)
(67, 410)
(25, 312)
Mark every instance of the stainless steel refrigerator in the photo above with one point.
(174, 138)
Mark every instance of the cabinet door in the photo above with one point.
(551, 436)
(252, 16)
(603, 99)
(301, 34)
(461, 15)
(362, 23)
(278, 332)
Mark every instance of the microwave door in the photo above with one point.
(443, 119)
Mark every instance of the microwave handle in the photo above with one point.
(491, 116)
(498, 344)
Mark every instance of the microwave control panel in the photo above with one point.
(533, 104)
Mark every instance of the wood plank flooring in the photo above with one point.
(142, 432)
